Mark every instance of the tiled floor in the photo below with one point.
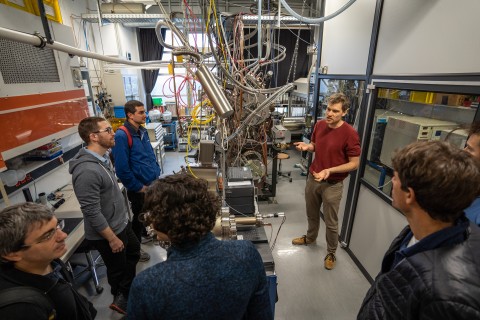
(305, 289)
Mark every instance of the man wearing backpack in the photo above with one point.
(34, 283)
(135, 162)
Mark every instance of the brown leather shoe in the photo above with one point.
(329, 261)
(302, 241)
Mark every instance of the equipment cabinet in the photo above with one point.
(170, 135)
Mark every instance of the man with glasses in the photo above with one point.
(104, 208)
(135, 162)
(31, 243)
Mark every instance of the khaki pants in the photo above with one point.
(330, 195)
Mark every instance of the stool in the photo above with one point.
(91, 266)
(287, 174)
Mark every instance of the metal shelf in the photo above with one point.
(124, 18)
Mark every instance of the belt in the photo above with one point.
(332, 181)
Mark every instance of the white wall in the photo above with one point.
(71, 10)
(117, 41)
(109, 39)
(129, 39)
(71, 14)
(428, 36)
(346, 38)
(376, 225)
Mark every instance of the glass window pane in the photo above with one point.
(353, 89)
(165, 89)
(405, 116)
(167, 55)
(196, 40)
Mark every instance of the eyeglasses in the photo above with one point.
(46, 236)
(107, 130)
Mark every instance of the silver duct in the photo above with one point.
(215, 94)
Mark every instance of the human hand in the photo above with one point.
(322, 175)
(301, 146)
(116, 245)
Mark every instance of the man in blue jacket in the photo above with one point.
(431, 269)
(135, 162)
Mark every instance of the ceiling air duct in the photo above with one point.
(123, 8)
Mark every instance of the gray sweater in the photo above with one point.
(101, 200)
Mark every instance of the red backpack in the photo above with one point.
(129, 136)
(129, 140)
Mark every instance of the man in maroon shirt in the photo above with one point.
(337, 151)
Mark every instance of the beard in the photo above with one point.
(107, 143)
(140, 122)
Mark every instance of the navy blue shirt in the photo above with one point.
(212, 280)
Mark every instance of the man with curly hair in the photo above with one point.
(431, 269)
(202, 278)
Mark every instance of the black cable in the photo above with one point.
(240, 213)
(278, 231)
(43, 17)
(271, 231)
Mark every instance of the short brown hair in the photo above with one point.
(181, 207)
(130, 107)
(339, 98)
(474, 129)
(445, 179)
(87, 126)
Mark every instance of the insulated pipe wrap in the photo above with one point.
(215, 94)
